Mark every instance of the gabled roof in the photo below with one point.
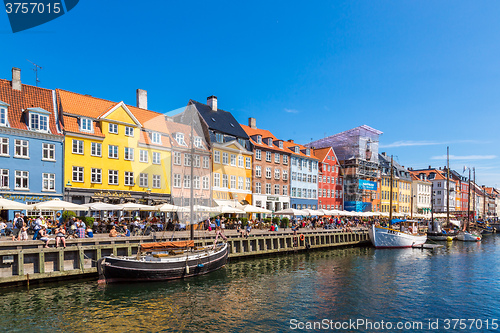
(220, 120)
(427, 172)
(252, 132)
(290, 148)
(322, 153)
(71, 125)
(415, 178)
(385, 161)
(174, 127)
(28, 97)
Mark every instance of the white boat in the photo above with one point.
(466, 236)
(383, 237)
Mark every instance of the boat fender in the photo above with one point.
(449, 239)
(187, 269)
(478, 238)
(200, 265)
(302, 237)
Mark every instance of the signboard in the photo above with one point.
(273, 198)
(367, 185)
(358, 206)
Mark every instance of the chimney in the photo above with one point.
(212, 102)
(142, 99)
(16, 79)
(252, 123)
(291, 141)
(384, 154)
(430, 167)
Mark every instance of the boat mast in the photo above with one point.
(390, 192)
(474, 200)
(447, 185)
(468, 202)
(191, 194)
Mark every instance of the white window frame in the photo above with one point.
(268, 156)
(216, 179)
(94, 173)
(113, 177)
(268, 188)
(197, 142)
(24, 147)
(128, 178)
(179, 137)
(4, 178)
(156, 157)
(177, 180)
(143, 179)
(196, 161)
(196, 182)
(225, 182)
(4, 118)
(129, 131)
(113, 152)
(22, 175)
(225, 158)
(4, 147)
(187, 159)
(258, 171)
(276, 189)
(86, 125)
(248, 163)
(187, 181)
(268, 173)
(248, 184)
(232, 183)
(240, 161)
(48, 149)
(277, 174)
(258, 188)
(78, 174)
(285, 189)
(96, 149)
(156, 138)
(258, 154)
(233, 160)
(277, 157)
(216, 156)
(38, 126)
(205, 182)
(206, 162)
(240, 183)
(177, 158)
(78, 146)
(143, 156)
(48, 179)
(112, 128)
(128, 154)
(156, 181)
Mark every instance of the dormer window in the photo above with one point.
(197, 142)
(242, 142)
(308, 152)
(155, 137)
(179, 137)
(297, 150)
(86, 125)
(38, 119)
(270, 142)
(219, 137)
(3, 114)
(259, 139)
(281, 144)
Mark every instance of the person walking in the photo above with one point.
(37, 226)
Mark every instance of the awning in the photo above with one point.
(230, 203)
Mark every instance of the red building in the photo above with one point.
(330, 180)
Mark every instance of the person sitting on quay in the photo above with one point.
(126, 232)
(37, 226)
(3, 228)
(23, 234)
(60, 236)
(271, 228)
(113, 232)
(43, 236)
(248, 228)
(90, 232)
(80, 230)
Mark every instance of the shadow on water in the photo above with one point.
(262, 295)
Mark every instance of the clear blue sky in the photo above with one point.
(427, 74)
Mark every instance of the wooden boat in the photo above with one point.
(163, 261)
(466, 236)
(436, 232)
(407, 236)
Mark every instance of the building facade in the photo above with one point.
(271, 169)
(330, 180)
(304, 176)
(401, 186)
(421, 190)
(31, 144)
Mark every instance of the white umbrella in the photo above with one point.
(312, 212)
(166, 207)
(101, 206)
(229, 210)
(290, 211)
(130, 206)
(56, 204)
(254, 209)
(9, 204)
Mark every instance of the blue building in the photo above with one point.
(304, 177)
(31, 144)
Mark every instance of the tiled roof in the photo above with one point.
(28, 97)
(71, 125)
(93, 107)
(290, 148)
(175, 127)
(220, 120)
(265, 134)
(145, 139)
(322, 153)
(427, 172)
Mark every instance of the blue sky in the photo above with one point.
(424, 73)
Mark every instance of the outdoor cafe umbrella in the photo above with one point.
(166, 207)
(101, 206)
(228, 210)
(130, 206)
(55, 205)
(255, 209)
(9, 205)
(290, 211)
(312, 212)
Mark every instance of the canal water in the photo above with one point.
(330, 289)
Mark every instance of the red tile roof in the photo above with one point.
(264, 134)
(71, 125)
(28, 97)
(290, 147)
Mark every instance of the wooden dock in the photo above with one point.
(24, 261)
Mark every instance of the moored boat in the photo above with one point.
(466, 236)
(386, 237)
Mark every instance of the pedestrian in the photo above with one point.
(23, 234)
(37, 226)
(18, 225)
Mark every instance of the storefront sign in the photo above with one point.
(273, 198)
(358, 206)
(26, 198)
(367, 185)
(112, 194)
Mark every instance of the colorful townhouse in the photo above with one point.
(271, 169)
(330, 180)
(401, 186)
(439, 188)
(304, 176)
(114, 152)
(421, 192)
(189, 151)
(462, 193)
(231, 157)
(31, 144)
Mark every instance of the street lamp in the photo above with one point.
(68, 188)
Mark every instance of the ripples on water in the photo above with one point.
(262, 295)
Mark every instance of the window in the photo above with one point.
(129, 178)
(4, 146)
(3, 116)
(240, 161)
(112, 177)
(294, 191)
(248, 162)
(156, 157)
(216, 156)
(78, 147)
(259, 139)
(233, 160)
(196, 161)
(86, 125)
(177, 158)
(112, 151)
(96, 175)
(95, 149)
(309, 178)
(143, 156)
(285, 189)
(113, 128)
(129, 154)
(258, 188)
(270, 142)
(129, 131)
(224, 181)
(196, 182)
(177, 180)
(204, 182)
(219, 137)
(179, 137)
(294, 176)
(276, 189)
(268, 156)
(258, 170)
(197, 142)
(143, 180)
(242, 142)
(304, 193)
(277, 173)
(156, 138)
(233, 182)
(285, 159)
(38, 122)
(22, 180)
(187, 181)
(187, 159)
(225, 158)
(205, 162)
(308, 152)
(78, 174)
(156, 181)
(48, 151)
(48, 182)
(297, 150)
(281, 144)
(258, 153)
(299, 177)
(314, 194)
(4, 178)
(216, 180)
(314, 179)
(240, 183)
(276, 157)
(268, 188)
(248, 184)
(268, 173)
(285, 174)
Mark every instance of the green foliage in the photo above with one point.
(276, 220)
(89, 221)
(285, 222)
(244, 221)
(267, 220)
(67, 215)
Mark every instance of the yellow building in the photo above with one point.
(114, 152)
(401, 186)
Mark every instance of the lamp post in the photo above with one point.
(68, 188)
